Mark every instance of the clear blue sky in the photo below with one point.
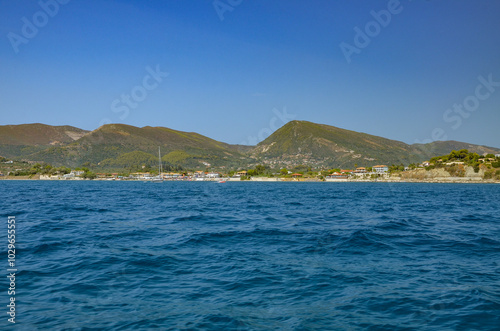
(225, 77)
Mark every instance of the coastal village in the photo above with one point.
(299, 151)
(446, 168)
(343, 174)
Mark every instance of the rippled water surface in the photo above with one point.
(254, 256)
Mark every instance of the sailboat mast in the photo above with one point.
(159, 162)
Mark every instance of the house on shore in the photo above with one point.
(77, 172)
(171, 175)
(199, 174)
(380, 169)
(360, 170)
(337, 176)
(141, 175)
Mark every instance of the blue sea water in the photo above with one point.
(253, 256)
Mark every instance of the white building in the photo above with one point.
(380, 169)
(360, 170)
(336, 175)
(172, 175)
(199, 174)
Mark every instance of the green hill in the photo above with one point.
(133, 160)
(114, 140)
(17, 141)
(302, 142)
(120, 146)
(445, 147)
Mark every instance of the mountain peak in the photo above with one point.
(296, 142)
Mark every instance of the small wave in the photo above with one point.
(363, 242)
(191, 218)
(46, 248)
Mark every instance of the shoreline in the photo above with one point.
(274, 180)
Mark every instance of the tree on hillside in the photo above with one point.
(89, 174)
(394, 168)
(459, 155)
(47, 169)
(63, 170)
(472, 157)
(36, 168)
(301, 168)
(260, 169)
